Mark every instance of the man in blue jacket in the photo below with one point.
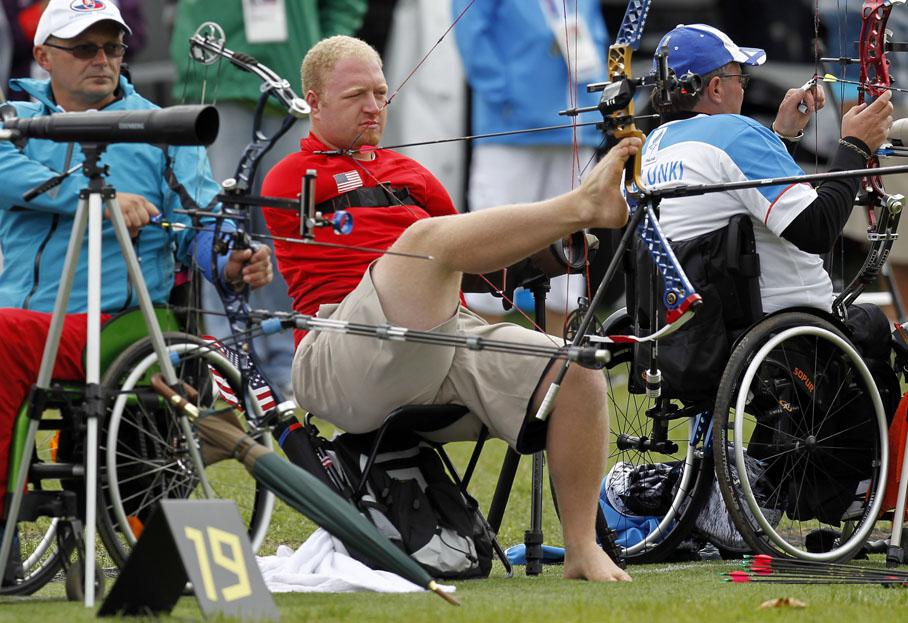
(81, 46)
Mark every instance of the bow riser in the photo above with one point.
(874, 81)
(621, 122)
(875, 78)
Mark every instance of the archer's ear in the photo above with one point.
(711, 90)
(39, 52)
(312, 100)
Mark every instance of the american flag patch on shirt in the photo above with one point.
(348, 181)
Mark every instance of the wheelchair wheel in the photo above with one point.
(37, 555)
(44, 537)
(800, 440)
(657, 481)
(146, 453)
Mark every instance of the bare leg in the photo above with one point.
(577, 449)
(420, 294)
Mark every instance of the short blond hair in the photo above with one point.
(324, 55)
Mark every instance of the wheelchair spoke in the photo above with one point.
(145, 495)
(155, 468)
(839, 410)
(148, 431)
(780, 488)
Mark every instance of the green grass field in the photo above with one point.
(676, 593)
(665, 592)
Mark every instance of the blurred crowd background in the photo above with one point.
(403, 30)
(444, 98)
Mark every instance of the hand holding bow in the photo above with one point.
(249, 267)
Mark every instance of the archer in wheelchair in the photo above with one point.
(398, 204)
(787, 392)
(82, 52)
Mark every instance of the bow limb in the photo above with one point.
(883, 209)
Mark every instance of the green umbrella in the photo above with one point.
(224, 438)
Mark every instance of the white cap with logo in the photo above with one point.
(67, 18)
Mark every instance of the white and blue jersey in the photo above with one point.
(710, 149)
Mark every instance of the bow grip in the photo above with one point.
(632, 166)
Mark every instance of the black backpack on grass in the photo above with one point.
(407, 495)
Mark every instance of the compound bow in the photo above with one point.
(883, 209)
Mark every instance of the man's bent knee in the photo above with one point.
(582, 388)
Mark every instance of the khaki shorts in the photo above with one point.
(354, 382)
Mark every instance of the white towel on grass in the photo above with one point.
(322, 565)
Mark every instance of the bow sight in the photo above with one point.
(618, 93)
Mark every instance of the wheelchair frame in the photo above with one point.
(55, 486)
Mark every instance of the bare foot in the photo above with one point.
(602, 201)
(592, 564)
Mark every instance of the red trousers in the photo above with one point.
(22, 337)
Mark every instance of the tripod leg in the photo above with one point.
(94, 400)
(45, 372)
(503, 489)
(154, 331)
(533, 537)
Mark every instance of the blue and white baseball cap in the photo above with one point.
(699, 49)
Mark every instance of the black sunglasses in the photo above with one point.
(87, 51)
(743, 78)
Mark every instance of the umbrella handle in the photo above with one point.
(435, 588)
(161, 387)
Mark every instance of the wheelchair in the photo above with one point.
(800, 437)
(143, 456)
(781, 408)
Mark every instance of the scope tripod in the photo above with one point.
(93, 201)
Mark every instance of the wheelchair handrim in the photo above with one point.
(750, 498)
(258, 537)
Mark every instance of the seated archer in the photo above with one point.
(398, 205)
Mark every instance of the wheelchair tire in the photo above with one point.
(799, 414)
(43, 537)
(37, 544)
(652, 537)
(145, 453)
